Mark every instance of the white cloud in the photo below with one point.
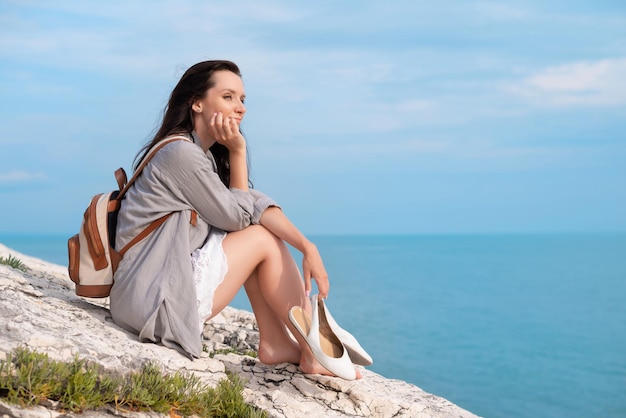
(20, 177)
(135, 38)
(584, 83)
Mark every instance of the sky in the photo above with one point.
(363, 117)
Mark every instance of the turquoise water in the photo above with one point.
(502, 325)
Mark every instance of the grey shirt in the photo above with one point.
(154, 294)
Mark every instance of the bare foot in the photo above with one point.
(283, 353)
(309, 365)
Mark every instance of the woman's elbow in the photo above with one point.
(234, 224)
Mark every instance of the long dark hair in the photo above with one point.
(177, 116)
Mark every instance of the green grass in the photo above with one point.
(28, 378)
(14, 262)
(250, 353)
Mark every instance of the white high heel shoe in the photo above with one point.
(326, 347)
(357, 354)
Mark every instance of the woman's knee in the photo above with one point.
(263, 238)
(252, 244)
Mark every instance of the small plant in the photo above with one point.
(14, 262)
(28, 378)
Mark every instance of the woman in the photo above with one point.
(238, 239)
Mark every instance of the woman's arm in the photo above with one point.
(226, 132)
(238, 170)
(312, 265)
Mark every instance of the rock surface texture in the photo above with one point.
(39, 310)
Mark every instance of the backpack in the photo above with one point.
(93, 258)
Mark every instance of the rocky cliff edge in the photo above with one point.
(39, 310)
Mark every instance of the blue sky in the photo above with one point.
(363, 117)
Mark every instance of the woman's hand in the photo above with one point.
(226, 132)
(312, 265)
(313, 268)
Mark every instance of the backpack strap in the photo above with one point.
(145, 162)
(154, 225)
(120, 176)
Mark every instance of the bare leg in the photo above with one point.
(256, 255)
(276, 345)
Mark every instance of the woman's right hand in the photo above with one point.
(226, 132)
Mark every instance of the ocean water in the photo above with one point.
(502, 325)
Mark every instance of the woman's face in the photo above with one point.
(227, 97)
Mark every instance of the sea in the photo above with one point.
(520, 325)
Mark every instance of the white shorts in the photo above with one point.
(209, 269)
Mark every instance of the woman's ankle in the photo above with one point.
(284, 353)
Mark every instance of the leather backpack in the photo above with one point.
(93, 259)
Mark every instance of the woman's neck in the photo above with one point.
(202, 138)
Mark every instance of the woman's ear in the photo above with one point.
(197, 106)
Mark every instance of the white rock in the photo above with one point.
(39, 309)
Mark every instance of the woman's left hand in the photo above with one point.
(277, 223)
(313, 268)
